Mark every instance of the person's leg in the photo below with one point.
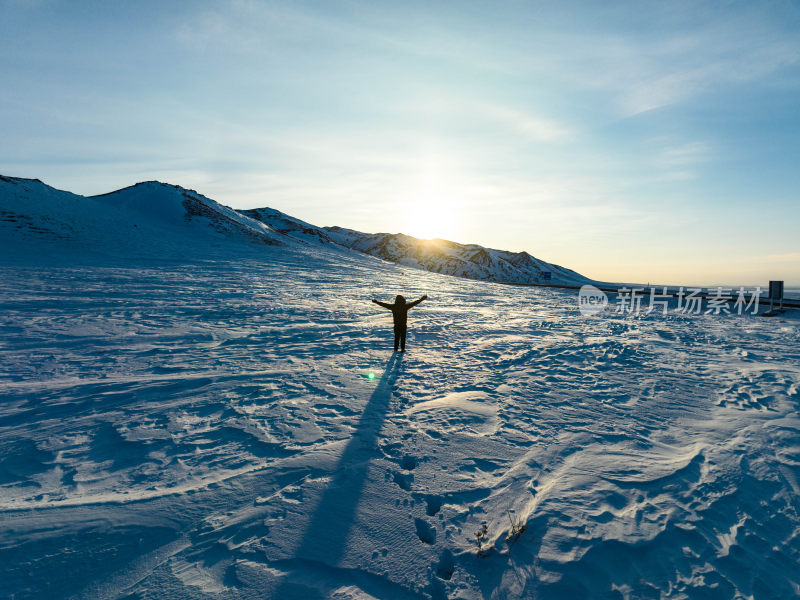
(396, 337)
(403, 340)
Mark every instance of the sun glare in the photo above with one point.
(432, 210)
(432, 219)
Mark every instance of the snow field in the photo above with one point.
(239, 428)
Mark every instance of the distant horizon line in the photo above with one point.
(793, 286)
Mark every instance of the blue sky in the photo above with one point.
(650, 142)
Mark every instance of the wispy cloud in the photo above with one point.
(530, 126)
(636, 64)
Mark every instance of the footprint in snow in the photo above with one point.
(408, 463)
(433, 504)
(404, 480)
(446, 566)
(425, 532)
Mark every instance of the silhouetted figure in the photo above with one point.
(400, 313)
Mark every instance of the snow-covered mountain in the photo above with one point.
(450, 258)
(146, 219)
(470, 261)
(154, 218)
(289, 226)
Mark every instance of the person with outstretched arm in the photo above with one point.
(400, 314)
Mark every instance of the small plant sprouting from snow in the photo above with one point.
(484, 547)
(517, 528)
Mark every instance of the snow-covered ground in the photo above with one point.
(238, 427)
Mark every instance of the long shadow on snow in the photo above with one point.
(325, 537)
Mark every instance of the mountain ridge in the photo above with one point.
(157, 218)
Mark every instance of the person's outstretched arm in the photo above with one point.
(415, 302)
(383, 304)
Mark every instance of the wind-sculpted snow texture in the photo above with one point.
(239, 428)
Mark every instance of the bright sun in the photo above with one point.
(427, 221)
(432, 214)
(433, 201)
